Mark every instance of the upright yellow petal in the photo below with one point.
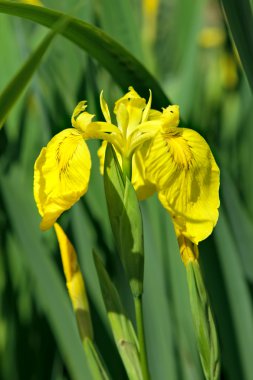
(132, 105)
(81, 119)
(105, 108)
(182, 166)
(170, 117)
(61, 175)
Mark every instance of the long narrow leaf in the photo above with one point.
(240, 21)
(49, 291)
(121, 325)
(16, 86)
(126, 70)
(238, 294)
(241, 225)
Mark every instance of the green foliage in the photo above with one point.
(122, 328)
(126, 221)
(118, 61)
(37, 325)
(203, 322)
(239, 17)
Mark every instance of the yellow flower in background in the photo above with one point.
(32, 2)
(212, 37)
(175, 162)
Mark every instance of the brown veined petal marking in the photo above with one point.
(61, 175)
(183, 168)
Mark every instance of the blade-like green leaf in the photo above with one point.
(96, 366)
(166, 300)
(126, 220)
(49, 290)
(240, 21)
(238, 294)
(203, 320)
(131, 239)
(122, 328)
(16, 86)
(241, 224)
(125, 69)
(119, 20)
(114, 191)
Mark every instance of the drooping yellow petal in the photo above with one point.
(182, 166)
(61, 175)
(75, 283)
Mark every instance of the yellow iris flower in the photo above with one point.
(175, 162)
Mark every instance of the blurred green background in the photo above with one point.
(189, 49)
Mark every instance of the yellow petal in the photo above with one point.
(68, 254)
(143, 187)
(32, 2)
(101, 156)
(170, 117)
(104, 108)
(147, 109)
(61, 175)
(154, 114)
(134, 106)
(122, 118)
(75, 283)
(81, 119)
(182, 166)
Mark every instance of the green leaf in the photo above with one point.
(114, 191)
(122, 328)
(240, 223)
(49, 290)
(131, 239)
(240, 20)
(118, 19)
(86, 236)
(125, 69)
(95, 363)
(204, 323)
(125, 217)
(238, 294)
(17, 85)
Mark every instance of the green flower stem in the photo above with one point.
(141, 337)
(127, 167)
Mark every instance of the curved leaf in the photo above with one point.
(125, 69)
(239, 18)
(15, 87)
(49, 291)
